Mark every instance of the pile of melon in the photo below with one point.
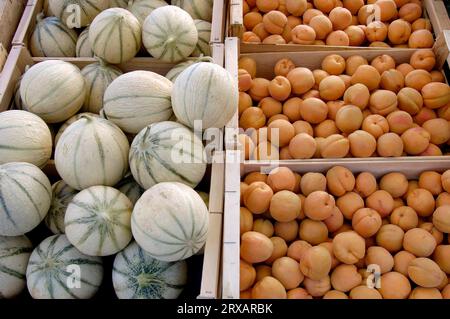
(373, 23)
(129, 177)
(117, 31)
(346, 108)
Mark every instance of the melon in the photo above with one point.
(77, 13)
(137, 275)
(62, 196)
(205, 92)
(25, 197)
(67, 123)
(205, 197)
(98, 77)
(167, 152)
(169, 34)
(52, 38)
(57, 270)
(83, 48)
(130, 188)
(16, 102)
(137, 99)
(142, 8)
(115, 35)
(92, 151)
(204, 37)
(54, 90)
(24, 137)
(170, 221)
(119, 3)
(180, 67)
(98, 221)
(14, 255)
(198, 9)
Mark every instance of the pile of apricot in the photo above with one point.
(348, 108)
(375, 23)
(340, 235)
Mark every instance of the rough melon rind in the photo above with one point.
(205, 92)
(98, 221)
(62, 196)
(67, 123)
(169, 34)
(137, 99)
(98, 77)
(170, 221)
(88, 10)
(24, 137)
(62, 95)
(106, 145)
(14, 255)
(137, 275)
(52, 38)
(25, 197)
(52, 271)
(167, 152)
(115, 35)
(198, 9)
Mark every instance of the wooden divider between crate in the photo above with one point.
(433, 9)
(411, 167)
(10, 15)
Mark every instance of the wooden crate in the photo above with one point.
(3, 56)
(10, 14)
(210, 285)
(411, 167)
(34, 7)
(433, 9)
(312, 60)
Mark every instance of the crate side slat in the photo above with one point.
(231, 64)
(218, 21)
(10, 16)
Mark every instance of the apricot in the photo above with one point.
(442, 257)
(268, 288)
(259, 89)
(419, 242)
(410, 12)
(383, 63)
(422, 201)
(390, 237)
(255, 247)
(246, 220)
(257, 198)
(246, 146)
(349, 203)
(318, 205)
(262, 271)
(280, 88)
(263, 226)
(367, 75)
(313, 110)
(255, 177)
(341, 18)
(244, 80)
(260, 31)
(279, 249)
(421, 23)
(402, 260)
(335, 294)
(325, 5)
(388, 9)
(431, 181)
(248, 64)
(365, 14)
(364, 292)
(365, 184)
(376, 125)
(349, 118)
(334, 146)
(333, 64)
(245, 101)
(281, 178)
(285, 206)
(274, 39)
(436, 94)
(267, 5)
(425, 272)
(376, 31)
(353, 62)
(383, 102)
(349, 247)
(423, 59)
(312, 182)
(310, 94)
(298, 293)
(274, 22)
(335, 220)
(303, 127)
(287, 271)
(321, 25)
(425, 114)
(319, 75)
(317, 288)
(446, 292)
(429, 227)
(405, 68)
(390, 145)
(251, 37)
(302, 146)
(443, 199)
(425, 293)
(340, 180)
(251, 19)
(338, 38)
(381, 201)
(353, 5)
(399, 121)
(415, 140)
(437, 76)
(303, 34)
(366, 222)
(333, 108)
(313, 231)
(441, 219)
(394, 285)
(432, 150)
(417, 79)
(296, 8)
(291, 108)
(316, 263)
(325, 129)
(301, 79)
(331, 88)
(274, 118)
(399, 31)
(405, 217)
(280, 132)
(392, 80)
(309, 14)
(421, 39)
(297, 249)
(247, 275)
(270, 106)
(288, 231)
(356, 35)
(376, 255)
(409, 100)
(252, 117)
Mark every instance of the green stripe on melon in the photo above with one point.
(169, 34)
(54, 90)
(14, 255)
(83, 48)
(167, 152)
(62, 196)
(67, 123)
(180, 67)
(198, 9)
(205, 92)
(51, 38)
(204, 37)
(24, 137)
(137, 99)
(52, 271)
(25, 197)
(170, 221)
(115, 35)
(92, 151)
(98, 77)
(142, 8)
(130, 188)
(98, 221)
(137, 275)
(77, 13)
